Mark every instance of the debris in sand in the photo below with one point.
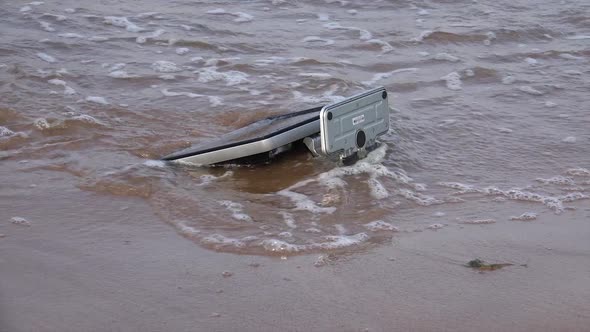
(483, 266)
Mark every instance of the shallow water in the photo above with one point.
(490, 113)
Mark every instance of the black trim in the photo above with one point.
(175, 156)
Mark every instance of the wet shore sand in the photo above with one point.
(112, 266)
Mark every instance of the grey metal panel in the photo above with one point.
(341, 122)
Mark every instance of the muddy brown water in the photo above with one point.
(489, 106)
(488, 157)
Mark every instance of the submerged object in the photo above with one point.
(340, 131)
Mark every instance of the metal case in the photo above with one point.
(353, 124)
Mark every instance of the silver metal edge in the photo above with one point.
(253, 148)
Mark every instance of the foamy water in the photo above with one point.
(489, 121)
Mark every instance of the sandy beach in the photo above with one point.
(98, 273)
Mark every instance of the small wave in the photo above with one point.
(527, 216)
(380, 225)
(237, 210)
(317, 41)
(163, 66)
(232, 77)
(97, 100)
(240, 17)
(479, 222)
(46, 57)
(453, 81)
(122, 22)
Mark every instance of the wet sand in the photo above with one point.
(65, 272)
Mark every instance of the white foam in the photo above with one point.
(70, 10)
(169, 93)
(508, 79)
(341, 241)
(303, 202)
(363, 34)
(46, 26)
(380, 225)
(578, 37)
(232, 77)
(423, 34)
(280, 246)
(531, 61)
(217, 11)
(376, 188)
(41, 124)
(215, 101)
(165, 67)
(479, 222)
(550, 104)
(286, 235)
(206, 179)
(20, 221)
(237, 210)
(559, 180)
(578, 172)
(323, 17)
(527, 216)
(25, 9)
(167, 77)
(4, 132)
(155, 34)
(380, 76)
(321, 76)
(446, 57)
(67, 89)
(121, 74)
(289, 219)
(97, 100)
(58, 18)
(569, 139)
(385, 46)
(116, 66)
(319, 40)
(185, 229)
(87, 119)
(453, 81)
(418, 198)
(435, 226)
(570, 56)
(220, 240)
(462, 188)
(46, 57)
(182, 50)
(55, 81)
(530, 90)
(122, 22)
(352, 11)
(70, 35)
(240, 16)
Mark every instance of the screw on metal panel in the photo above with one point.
(384, 94)
(329, 115)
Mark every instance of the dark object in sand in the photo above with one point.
(482, 266)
